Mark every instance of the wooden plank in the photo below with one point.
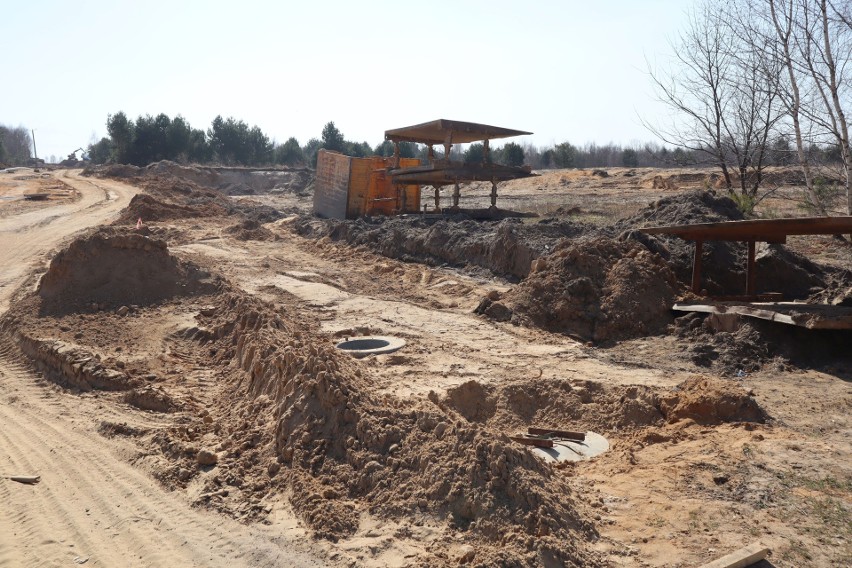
(810, 316)
(740, 558)
(567, 434)
(537, 442)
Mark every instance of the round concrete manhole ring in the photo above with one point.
(371, 345)
(570, 450)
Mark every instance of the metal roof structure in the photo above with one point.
(443, 131)
(443, 171)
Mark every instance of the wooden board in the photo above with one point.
(740, 558)
(809, 316)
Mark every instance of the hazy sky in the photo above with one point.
(565, 70)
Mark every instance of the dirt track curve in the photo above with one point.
(92, 506)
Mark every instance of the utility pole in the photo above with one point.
(35, 151)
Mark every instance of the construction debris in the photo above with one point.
(740, 558)
(26, 479)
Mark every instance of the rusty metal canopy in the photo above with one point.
(453, 131)
(764, 230)
(445, 174)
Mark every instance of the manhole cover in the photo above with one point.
(571, 450)
(371, 345)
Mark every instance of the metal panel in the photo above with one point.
(360, 170)
(412, 192)
(331, 189)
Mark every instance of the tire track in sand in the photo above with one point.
(92, 504)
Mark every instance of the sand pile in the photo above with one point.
(111, 268)
(586, 405)
(179, 192)
(303, 419)
(226, 180)
(555, 403)
(599, 290)
(711, 401)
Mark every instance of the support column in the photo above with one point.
(431, 154)
(456, 195)
(494, 193)
(486, 151)
(750, 271)
(437, 198)
(696, 268)
(448, 145)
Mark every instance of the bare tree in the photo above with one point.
(724, 96)
(825, 36)
(783, 15)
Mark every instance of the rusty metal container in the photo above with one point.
(347, 187)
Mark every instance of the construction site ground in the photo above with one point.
(127, 476)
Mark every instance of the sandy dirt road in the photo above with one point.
(27, 238)
(92, 506)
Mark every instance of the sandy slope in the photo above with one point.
(92, 506)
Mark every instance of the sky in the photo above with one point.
(566, 70)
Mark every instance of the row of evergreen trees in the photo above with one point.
(232, 142)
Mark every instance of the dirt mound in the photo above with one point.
(149, 208)
(251, 230)
(118, 171)
(683, 209)
(112, 268)
(302, 419)
(711, 401)
(781, 270)
(586, 405)
(236, 180)
(173, 191)
(226, 180)
(729, 353)
(601, 290)
(505, 247)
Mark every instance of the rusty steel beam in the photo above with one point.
(761, 230)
